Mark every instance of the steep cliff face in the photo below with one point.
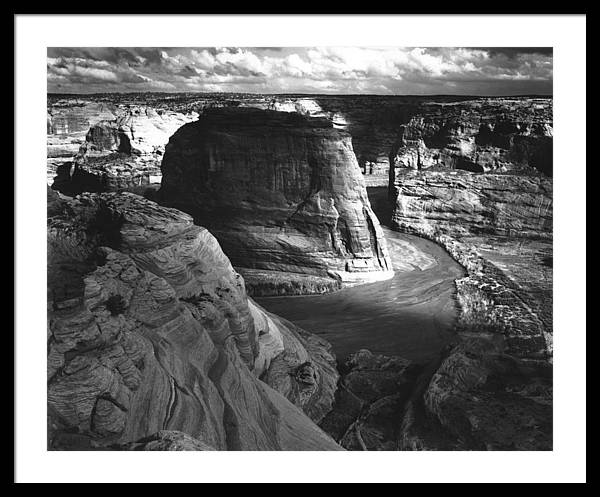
(150, 329)
(459, 203)
(68, 122)
(467, 212)
(121, 153)
(480, 135)
(280, 191)
(476, 178)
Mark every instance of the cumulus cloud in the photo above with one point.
(384, 70)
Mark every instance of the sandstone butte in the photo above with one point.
(281, 192)
(153, 342)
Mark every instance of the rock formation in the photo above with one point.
(492, 390)
(480, 135)
(150, 329)
(459, 203)
(153, 343)
(370, 401)
(166, 440)
(280, 191)
(459, 131)
(121, 153)
(491, 400)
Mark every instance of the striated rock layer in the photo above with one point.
(459, 203)
(280, 191)
(121, 152)
(493, 389)
(479, 135)
(150, 329)
(475, 177)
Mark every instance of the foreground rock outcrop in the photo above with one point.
(280, 191)
(488, 399)
(150, 329)
(370, 401)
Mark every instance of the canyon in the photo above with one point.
(292, 272)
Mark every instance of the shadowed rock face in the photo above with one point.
(490, 400)
(370, 401)
(150, 329)
(280, 191)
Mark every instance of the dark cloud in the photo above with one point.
(516, 51)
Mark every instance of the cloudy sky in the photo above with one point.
(391, 70)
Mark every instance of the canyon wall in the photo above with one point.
(493, 132)
(476, 177)
(281, 192)
(120, 150)
(150, 333)
(459, 203)
(479, 135)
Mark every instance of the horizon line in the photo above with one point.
(543, 95)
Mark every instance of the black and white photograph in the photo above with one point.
(305, 248)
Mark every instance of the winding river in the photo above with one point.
(410, 315)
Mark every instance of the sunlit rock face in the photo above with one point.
(492, 224)
(461, 203)
(150, 329)
(121, 152)
(479, 135)
(68, 122)
(280, 191)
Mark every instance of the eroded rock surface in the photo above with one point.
(459, 203)
(280, 191)
(491, 400)
(166, 440)
(120, 152)
(502, 130)
(493, 389)
(479, 135)
(150, 329)
(370, 401)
